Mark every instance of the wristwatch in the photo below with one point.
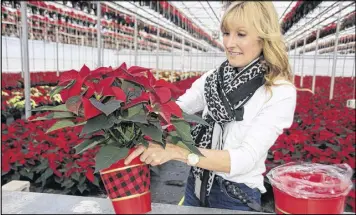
(193, 159)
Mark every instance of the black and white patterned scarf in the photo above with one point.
(226, 91)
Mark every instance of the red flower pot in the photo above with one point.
(310, 188)
(288, 204)
(128, 187)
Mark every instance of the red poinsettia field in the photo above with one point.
(9, 80)
(323, 131)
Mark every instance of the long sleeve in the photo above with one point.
(193, 101)
(276, 115)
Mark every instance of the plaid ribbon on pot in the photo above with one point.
(126, 181)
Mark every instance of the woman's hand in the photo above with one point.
(154, 154)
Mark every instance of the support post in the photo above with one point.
(172, 51)
(57, 54)
(295, 59)
(301, 76)
(24, 38)
(135, 40)
(183, 43)
(335, 53)
(157, 52)
(315, 55)
(98, 26)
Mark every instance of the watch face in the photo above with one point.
(193, 159)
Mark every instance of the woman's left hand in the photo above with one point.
(154, 154)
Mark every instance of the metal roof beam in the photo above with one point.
(189, 37)
(338, 11)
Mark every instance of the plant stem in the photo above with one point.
(113, 135)
(132, 132)
(122, 134)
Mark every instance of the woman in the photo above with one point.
(248, 101)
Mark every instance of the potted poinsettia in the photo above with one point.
(119, 109)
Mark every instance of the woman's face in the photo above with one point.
(242, 45)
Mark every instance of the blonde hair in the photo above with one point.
(262, 16)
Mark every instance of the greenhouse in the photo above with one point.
(86, 84)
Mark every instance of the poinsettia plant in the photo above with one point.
(119, 109)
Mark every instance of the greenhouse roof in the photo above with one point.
(207, 14)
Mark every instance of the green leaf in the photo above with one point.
(108, 155)
(175, 139)
(73, 104)
(139, 118)
(43, 165)
(68, 183)
(144, 142)
(30, 175)
(113, 119)
(18, 164)
(76, 176)
(156, 123)
(26, 173)
(96, 182)
(108, 107)
(97, 123)
(183, 130)
(135, 114)
(71, 83)
(296, 155)
(60, 124)
(84, 144)
(82, 123)
(61, 107)
(88, 144)
(191, 118)
(173, 133)
(285, 151)
(48, 173)
(82, 179)
(82, 187)
(55, 115)
(59, 180)
(316, 145)
(111, 141)
(153, 132)
(126, 139)
(126, 85)
(190, 147)
(334, 147)
(132, 111)
(38, 180)
(55, 91)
